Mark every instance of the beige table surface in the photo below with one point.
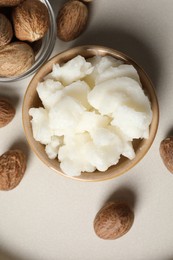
(50, 217)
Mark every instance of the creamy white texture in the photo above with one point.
(92, 110)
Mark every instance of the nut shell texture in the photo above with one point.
(10, 2)
(12, 168)
(71, 20)
(166, 153)
(31, 20)
(6, 31)
(7, 112)
(15, 59)
(113, 220)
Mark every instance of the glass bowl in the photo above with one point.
(31, 99)
(45, 50)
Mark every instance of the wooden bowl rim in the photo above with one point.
(91, 50)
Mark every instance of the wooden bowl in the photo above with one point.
(31, 99)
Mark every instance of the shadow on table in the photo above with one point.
(124, 41)
(124, 194)
(56, 5)
(5, 255)
(22, 145)
(10, 95)
(170, 133)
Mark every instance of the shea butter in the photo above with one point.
(92, 111)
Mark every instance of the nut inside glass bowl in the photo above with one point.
(31, 99)
(46, 45)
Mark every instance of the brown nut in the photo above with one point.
(12, 169)
(15, 59)
(71, 20)
(166, 152)
(6, 31)
(31, 20)
(7, 112)
(113, 220)
(10, 2)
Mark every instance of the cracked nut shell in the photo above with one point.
(113, 220)
(7, 112)
(31, 20)
(12, 169)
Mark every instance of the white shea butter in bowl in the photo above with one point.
(91, 115)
